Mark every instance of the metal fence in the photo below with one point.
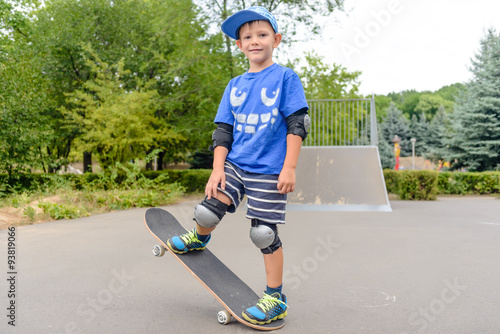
(342, 122)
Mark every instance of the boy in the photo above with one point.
(261, 123)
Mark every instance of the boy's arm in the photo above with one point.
(298, 125)
(217, 176)
(222, 140)
(286, 180)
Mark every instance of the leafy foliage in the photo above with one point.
(426, 185)
(412, 184)
(325, 81)
(411, 102)
(418, 185)
(460, 183)
(24, 126)
(116, 123)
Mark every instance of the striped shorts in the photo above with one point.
(264, 200)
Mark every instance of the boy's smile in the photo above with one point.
(257, 41)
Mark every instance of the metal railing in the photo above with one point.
(342, 122)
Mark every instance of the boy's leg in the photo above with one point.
(207, 230)
(273, 305)
(274, 268)
(207, 215)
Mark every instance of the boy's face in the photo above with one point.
(257, 41)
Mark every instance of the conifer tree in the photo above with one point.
(439, 129)
(395, 123)
(419, 128)
(476, 141)
(386, 152)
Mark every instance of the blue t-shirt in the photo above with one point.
(256, 104)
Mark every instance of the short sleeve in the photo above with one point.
(224, 114)
(293, 97)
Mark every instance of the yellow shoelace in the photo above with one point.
(190, 237)
(267, 302)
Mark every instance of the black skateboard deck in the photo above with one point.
(234, 294)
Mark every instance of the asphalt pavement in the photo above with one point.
(425, 267)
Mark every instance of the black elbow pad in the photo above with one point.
(298, 123)
(222, 136)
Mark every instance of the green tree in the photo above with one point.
(419, 128)
(116, 123)
(156, 40)
(428, 104)
(382, 104)
(24, 126)
(191, 79)
(63, 26)
(438, 131)
(395, 123)
(386, 151)
(475, 144)
(15, 18)
(406, 101)
(325, 81)
(450, 93)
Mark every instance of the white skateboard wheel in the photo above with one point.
(224, 317)
(158, 250)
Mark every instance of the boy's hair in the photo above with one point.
(249, 23)
(231, 26)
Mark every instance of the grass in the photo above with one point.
(64, 204)
(122, 187)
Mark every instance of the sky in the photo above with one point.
(406, 44)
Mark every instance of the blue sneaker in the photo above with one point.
(269, 308)
(187, 242)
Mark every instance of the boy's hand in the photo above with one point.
(217, 177)
(286, 180)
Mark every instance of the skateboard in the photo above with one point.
(234, 294)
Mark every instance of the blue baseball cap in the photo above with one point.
(231, 26)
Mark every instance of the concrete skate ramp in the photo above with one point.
(339, 178)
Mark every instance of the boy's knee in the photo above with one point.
(265, 236)
(209, 212)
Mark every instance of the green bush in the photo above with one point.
(29, 213)
(418, 185)
(201, 159)
(60, 211)
(391, 177)
(125, 199)
(408, 184)
(119, 177)
(35, 182)
(412, 184)
(460, 183)
(191, 179)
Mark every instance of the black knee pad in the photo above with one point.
(265, 236)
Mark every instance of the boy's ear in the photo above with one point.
(277, 40)
(238, 42)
